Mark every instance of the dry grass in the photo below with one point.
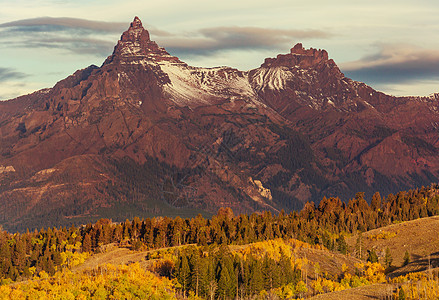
(374, 291)
(120, 256)
(115, 256)
(329, 262)
(419, 237)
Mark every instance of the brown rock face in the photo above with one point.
(135, 44)
(145, 134)
(298, 56)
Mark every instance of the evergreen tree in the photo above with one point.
(19, 254)
(206, 274)
(372, 256)
(195, 266)
(406, 259)
(375, 203)
(286, 269)
(86, 243)
(225, 286)
(256, 278)
(270, 270)
(342, 246)
(388, 258)
(183, 272)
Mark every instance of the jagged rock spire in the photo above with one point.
(135, 44)
(136, 33)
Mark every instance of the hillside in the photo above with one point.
(299, 255)
(146, 134)
(374, 291)
(417, 237)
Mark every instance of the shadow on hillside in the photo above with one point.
(419, 264)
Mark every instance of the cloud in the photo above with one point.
(395, 64)
(75, 35)
(8, 74)
(75, 45)
(97, 37)
(45, 24)
(48, 24)
(214, 39)
(79, 36)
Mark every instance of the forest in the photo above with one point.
(225, 257)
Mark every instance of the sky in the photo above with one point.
(391, 45)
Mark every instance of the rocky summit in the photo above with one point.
(146, 134)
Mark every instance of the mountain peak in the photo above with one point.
(135, 44)
(298, 56)
(136, 32)
(317, 54)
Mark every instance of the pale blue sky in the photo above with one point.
(392, 45)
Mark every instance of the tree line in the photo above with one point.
(22, 255)
(223, 275)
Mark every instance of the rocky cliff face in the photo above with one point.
(146, 134)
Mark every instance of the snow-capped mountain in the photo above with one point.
(146, 134)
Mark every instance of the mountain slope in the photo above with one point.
(147, 134)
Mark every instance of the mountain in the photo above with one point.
(146, 134)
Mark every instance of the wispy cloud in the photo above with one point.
(76, 45)
(395, 64)
(48, 24)
(79, 36)
(214, 39)
(8, 74)
(44, 24)
(96, 37)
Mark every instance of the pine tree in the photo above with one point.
(271, 273)
(195, 266)
(372, 256)
(257, 278)
(375, 203)
(19, 255)
(206, 275)
(224, 283)
(342, 246)
(5, 258)
(86, 243)
(406, 259)
(388, 258)
(184, 272)
(226, 274)
(286, 269)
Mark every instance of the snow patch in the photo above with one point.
(204, 86)
(271, 78)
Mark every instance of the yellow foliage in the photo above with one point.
(72, 259)
(107, 282)
(375, 273)
(418, 286)
(274, 248)
(384, 235)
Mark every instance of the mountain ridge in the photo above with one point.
(149, 133)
